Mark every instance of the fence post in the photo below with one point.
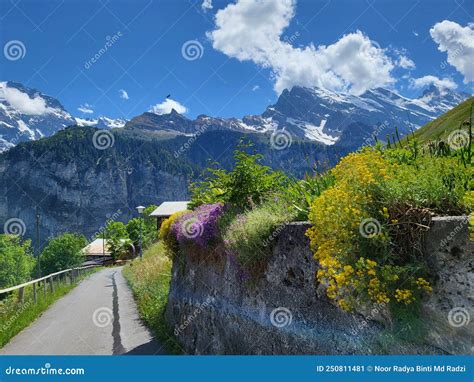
(34, 292)
(51, 283)
(21, 294)
(44, 287)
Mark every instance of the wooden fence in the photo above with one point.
(48, 282)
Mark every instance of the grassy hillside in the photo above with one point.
(445, 124)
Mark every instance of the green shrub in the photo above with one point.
(250, 235)
(118, 241)
(63, 252)
(300, 194)
(16, 261)
(246, 185)
(437, 183)
(368, 227)
(170, 243)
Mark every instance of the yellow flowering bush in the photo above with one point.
(350, 237)
(166, 235)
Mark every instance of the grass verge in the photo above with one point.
(150, 282)
(15, 317)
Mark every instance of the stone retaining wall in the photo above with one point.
(214, 310)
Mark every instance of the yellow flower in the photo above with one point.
(404, 295)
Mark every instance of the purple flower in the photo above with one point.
(200, 226)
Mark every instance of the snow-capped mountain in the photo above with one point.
(306, 114)
(27, 114)
(101, 122)
(322, 115)
(440, 100)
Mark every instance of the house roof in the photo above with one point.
(96, 248)
(169, 208)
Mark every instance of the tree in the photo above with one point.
(16, 261)
(149, 232)
(118, 241)
(246, 185)
(115, 230)
(149, 221)
(63, 252)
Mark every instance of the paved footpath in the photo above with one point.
(99, 316)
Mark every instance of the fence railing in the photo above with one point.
(70, 274)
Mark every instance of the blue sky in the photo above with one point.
(246, 51)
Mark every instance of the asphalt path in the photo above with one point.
(98, 317)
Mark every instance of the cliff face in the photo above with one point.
(77, 188)
(77, 185)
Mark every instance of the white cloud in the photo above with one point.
(206, 5)
(86, 108)
(405, 63)
(354, 63)
(167, 105)
(23, 103)
(442, 83)
(458, 43)
(256, 87)
(123, 94)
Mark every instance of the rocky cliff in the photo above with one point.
(81, 177)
